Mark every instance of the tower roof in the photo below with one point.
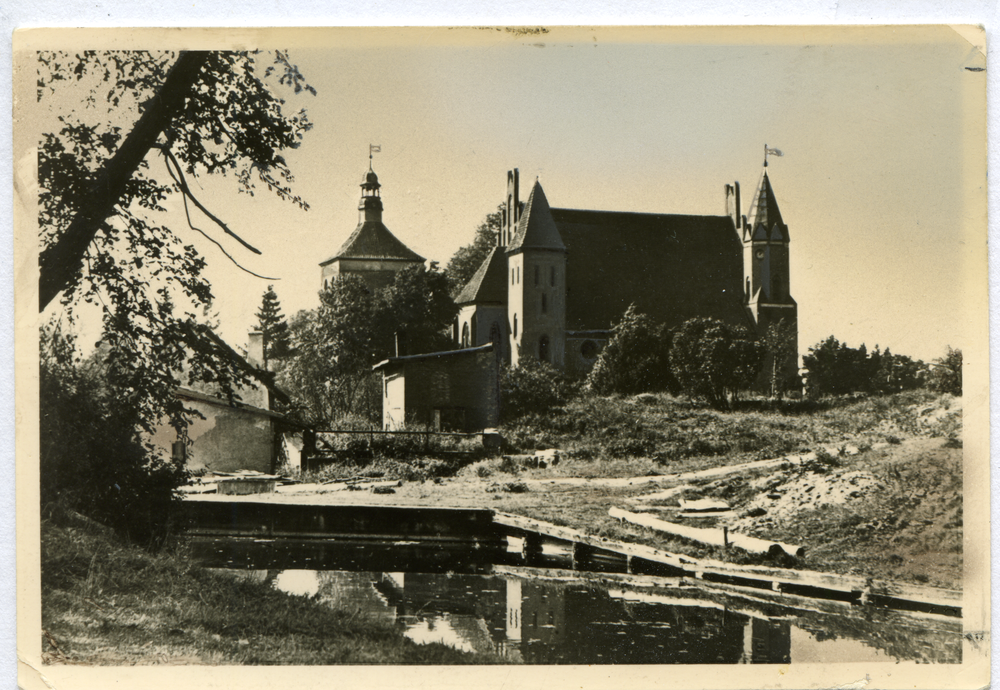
(372, 240)
(488, 283)
(764, 208)
(536, 229)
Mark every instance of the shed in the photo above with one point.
(455, 390)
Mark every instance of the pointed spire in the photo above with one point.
(536, 228)
(764, 207)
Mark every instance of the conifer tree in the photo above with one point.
(272, 324)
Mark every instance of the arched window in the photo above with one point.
(748, 288)
(515, 325)
(465, 335)
(474, 340)
(543, 349)
(326, 284)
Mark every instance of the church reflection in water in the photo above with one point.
(540, 621)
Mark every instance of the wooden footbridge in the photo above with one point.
(369, 537)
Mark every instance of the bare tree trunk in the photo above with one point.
(63, 259)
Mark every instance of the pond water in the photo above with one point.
(560, 617)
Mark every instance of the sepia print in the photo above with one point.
(575, 357)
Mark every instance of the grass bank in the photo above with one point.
(105, 602)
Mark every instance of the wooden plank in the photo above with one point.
(713, 537)
(763, 578)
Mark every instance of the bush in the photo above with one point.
(713, 360)
(532, 387)
(92, 457)
(635, 360)
(946, 375)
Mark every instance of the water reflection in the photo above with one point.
(546, 621)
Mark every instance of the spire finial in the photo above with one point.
(373, 148)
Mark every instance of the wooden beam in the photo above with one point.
(713, 537)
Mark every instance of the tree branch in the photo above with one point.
(62, 259)
(187, 193)
(184, 196)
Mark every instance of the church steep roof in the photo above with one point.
(488, 283)
(372, 240)
(536, 229)
(764, 207)
(672, 267)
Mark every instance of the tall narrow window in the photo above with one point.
(545, 303)
(552, 276)
(465, 335)
(518, 275)
(515, 325)
(512, 276)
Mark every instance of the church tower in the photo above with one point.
(371, 252)
(767, 291)
(536, 263)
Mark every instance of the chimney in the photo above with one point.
(255, 349)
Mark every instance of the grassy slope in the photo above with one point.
(910, 529)
(107, 603)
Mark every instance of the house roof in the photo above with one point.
(536, 228)
(372, 240)
(434, 355)
(672, 267)
(488, 283)
(764, 207)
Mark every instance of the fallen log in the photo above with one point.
(713, 537)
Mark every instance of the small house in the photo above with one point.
(455, 390)
(243, 434)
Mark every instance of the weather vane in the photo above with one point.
(377, 148)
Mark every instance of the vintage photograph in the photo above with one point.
(661, 349)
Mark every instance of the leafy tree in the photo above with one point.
(532, 387)
(92, 457)
(467, 259)
(714, 360)
(329, 377)
(273, 327)
(779, 345)
(834, 368)
(946, 374)
(635, 360)
(101, 206)
(417, 308)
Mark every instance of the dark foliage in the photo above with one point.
(715, 361)
(273, 327)
(946, 375)
(532, 387)
(92, 457)
(836, 369)
(330, 375)
(635, 360)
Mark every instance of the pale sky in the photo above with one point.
(875, 124)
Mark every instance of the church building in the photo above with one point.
(371, 252)
(559, 278)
